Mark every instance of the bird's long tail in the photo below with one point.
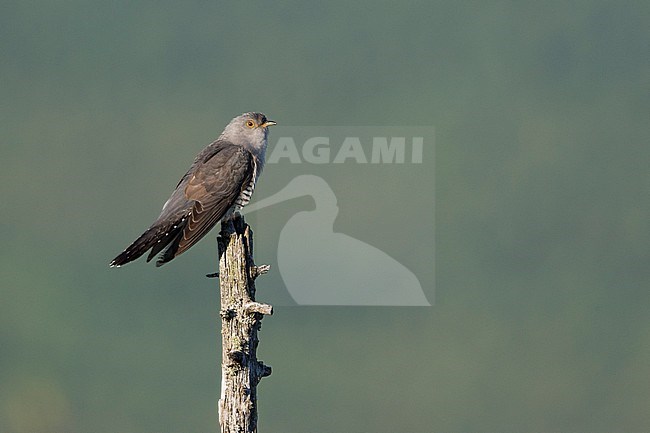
(155, 238)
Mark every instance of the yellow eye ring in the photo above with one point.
(250, 124)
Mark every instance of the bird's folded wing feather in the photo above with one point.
(214, 188)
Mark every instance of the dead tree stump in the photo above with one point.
(240, 320)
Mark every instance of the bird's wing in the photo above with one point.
(214, 188)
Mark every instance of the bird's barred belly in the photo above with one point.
(245, 196)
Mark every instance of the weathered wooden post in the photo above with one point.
(240, 320)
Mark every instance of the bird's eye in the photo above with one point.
(250, 123)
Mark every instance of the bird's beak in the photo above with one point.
(268, 123)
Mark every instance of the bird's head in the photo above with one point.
(249, 130)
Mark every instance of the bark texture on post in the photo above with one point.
(240, 320)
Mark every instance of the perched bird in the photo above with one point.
(220, 181)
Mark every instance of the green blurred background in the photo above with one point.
(541, 110)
